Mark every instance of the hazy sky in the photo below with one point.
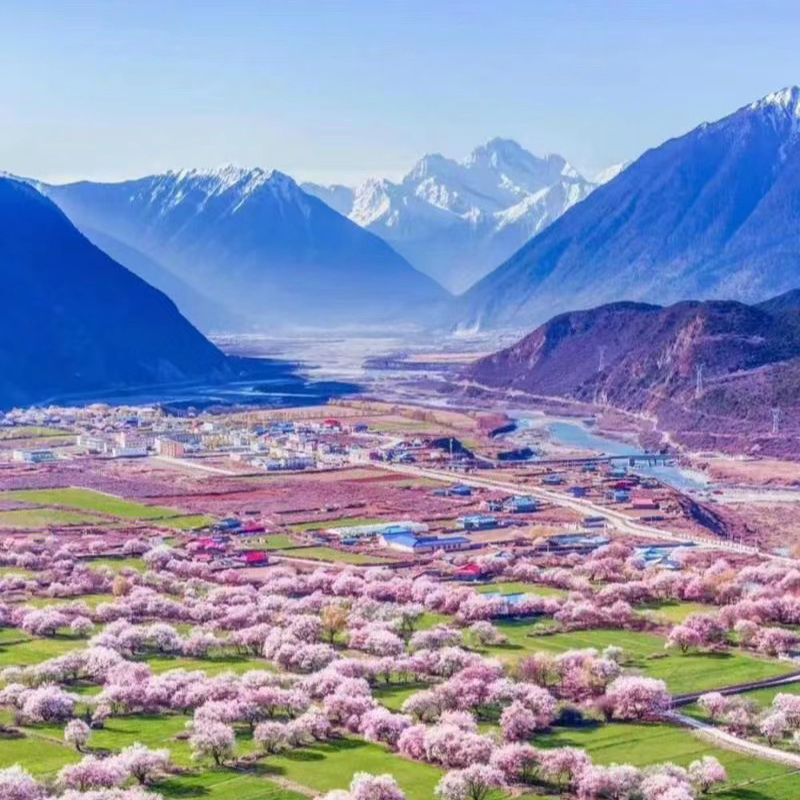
(337, 91)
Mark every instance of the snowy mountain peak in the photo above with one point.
(787, 99)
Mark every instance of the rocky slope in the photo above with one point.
(646, 359)
(457, 220)
(711, 214)
(254, 245)
(74, 320)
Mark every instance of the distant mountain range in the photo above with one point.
(646, 359)
(457, 220)
(711, 214)
(249, 250)
(74, 320)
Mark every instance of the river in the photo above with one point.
(578, 436)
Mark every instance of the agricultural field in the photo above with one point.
(74, 505)
(332, 554)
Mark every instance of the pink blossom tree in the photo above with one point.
(145, 764)
(214, 739)
(77, 733)
(634, 697)
(18, 784)
(471, 783)
(705, 772)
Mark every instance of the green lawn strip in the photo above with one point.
(45, 517)
(749, 778)
(89, 500)
(187, 522)
(91, 600)
(212, 665)
(116, 564)
(31, 432)
(33, 651)
(514, 587)
(331, 554)
(11, 570)
(393, 695)
(675, 611)
(331, 765)
(272, 541)
(335, 522)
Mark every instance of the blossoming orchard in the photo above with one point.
(157, 675)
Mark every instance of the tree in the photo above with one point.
(705, 772)
(92, 773)
(214, 739)
(364, 786)
(334, 620)
(18, 784)
(518, 761)
(471, 783)
(774, 726)
(517, 722)
(144, 764)
(714, 704)
(272, 736)
(77, 733)
(633, 697)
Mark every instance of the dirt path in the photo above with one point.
(724, 739)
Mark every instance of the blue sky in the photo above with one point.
(341, 90)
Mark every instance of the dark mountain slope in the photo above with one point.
(713, 213)
(73, 319)
(645, 359)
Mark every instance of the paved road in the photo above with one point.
(618, 519)
(738, 688)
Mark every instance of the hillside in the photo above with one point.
(646, 359)
(711, 214)
(74, 320)
(254, 245)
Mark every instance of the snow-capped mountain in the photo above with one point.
(714, 213)
(609, 173)
(457, 220)
(252, 245)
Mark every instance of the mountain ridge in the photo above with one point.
(709, 214)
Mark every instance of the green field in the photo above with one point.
(45, 517)
(272, 541)
(673, 611)
(682, 673)
(32, 651)
(30, 432)
(88, 500)
(117, 564)
(91, 600)
(513, 587)
(331, 554)
(749, 778)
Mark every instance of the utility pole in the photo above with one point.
(698, 386)
(776, 420)
(601, 358)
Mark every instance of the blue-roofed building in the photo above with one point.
(552, 480)
(478, 522)
(522, 504)
(413, 543)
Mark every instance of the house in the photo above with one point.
(552, 480)
(478, 522)
(577, 542)
(171, 448)
(577, 491)
(470, 571)
(255, 558)
(594, 522)
(620, 495)
(522, 504)
(412, 543)
(33, 456)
